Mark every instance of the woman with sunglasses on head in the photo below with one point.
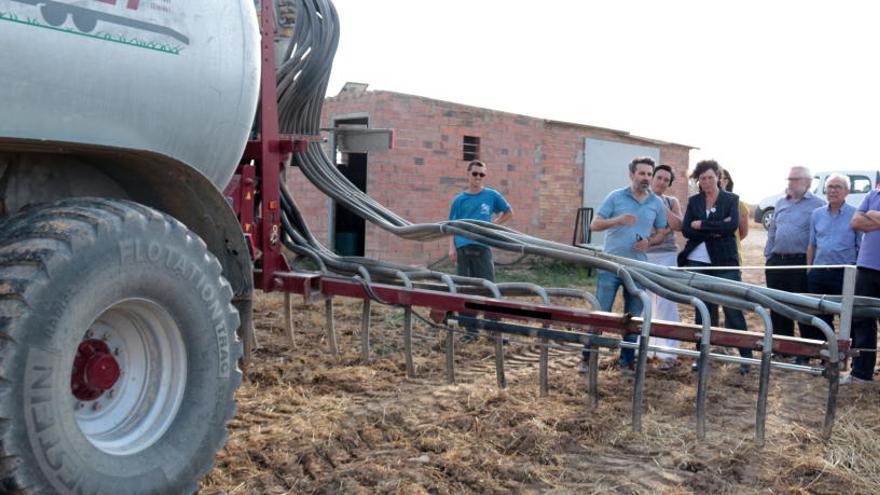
(665, 254)
(710, 224)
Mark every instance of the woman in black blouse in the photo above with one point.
(710, 223)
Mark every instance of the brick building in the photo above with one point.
(539, 165)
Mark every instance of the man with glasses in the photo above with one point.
(787, 240)
(832, 242)
(472, 258)
(635, 219)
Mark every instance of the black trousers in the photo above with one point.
(733, 318)
(791, 281)
(475, 261)
(823, 281)
(864, 330)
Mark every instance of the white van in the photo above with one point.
(861, 183)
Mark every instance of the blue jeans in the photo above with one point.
(606, 292)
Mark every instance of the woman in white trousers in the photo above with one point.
(665, 254)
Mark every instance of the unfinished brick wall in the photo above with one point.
(537, 164)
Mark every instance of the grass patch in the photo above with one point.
(547, 273)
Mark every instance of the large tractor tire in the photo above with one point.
(118, 351)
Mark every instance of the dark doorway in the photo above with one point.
(349, 230)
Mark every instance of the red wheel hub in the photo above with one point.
(94, 370)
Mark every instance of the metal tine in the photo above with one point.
(833, 366)
(543, 367)
(594, 375)
(642, 363)
(764, 376)
(593, 359)
(331, 326)
(499, 361)
(544, 360)
(288, 320)
(407, 329)
(365, 331)
(248, 337)
(499, 340)
(629, 285)
(407, 341)
(450, 337)
(703, 366)
(703, 356)
(833, 375)
(833, 388)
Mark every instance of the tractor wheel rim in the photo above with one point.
(146, 344)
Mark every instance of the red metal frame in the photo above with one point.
(314, 287)
(256, 187)
(257, 183)
(271, 158)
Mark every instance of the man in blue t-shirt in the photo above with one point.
(472, 258)
(635, 219)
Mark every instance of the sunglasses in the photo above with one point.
(478, 174)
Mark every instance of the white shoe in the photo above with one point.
(666, 364)
(583, 366)
(853, 380)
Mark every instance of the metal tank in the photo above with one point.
(175, 77)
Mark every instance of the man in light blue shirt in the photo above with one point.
(787, 239)
(832, 242)
(635, 219)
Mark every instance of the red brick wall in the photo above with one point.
(536, 164)
(677, 157)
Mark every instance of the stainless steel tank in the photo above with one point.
(177, 77)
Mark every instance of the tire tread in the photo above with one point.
(32, 242)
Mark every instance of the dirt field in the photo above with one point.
(309, 423)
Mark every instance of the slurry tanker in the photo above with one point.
(142, 202)
(123, 270)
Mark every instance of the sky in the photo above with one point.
(758, 86)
